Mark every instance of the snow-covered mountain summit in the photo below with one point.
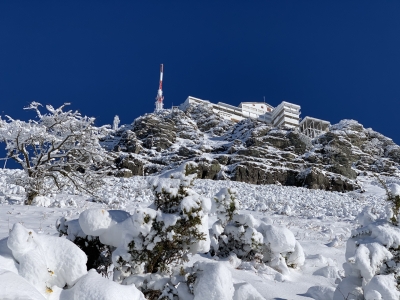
(251, 151)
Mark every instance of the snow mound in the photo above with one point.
(214, 282)
(328, 272)
(7, 261)
(280, 239)
(320, 292)
(245, 291)
(394, 189)
(382, 287)
(46, 261)
(93, 286)
(14, 287)
(94, 221)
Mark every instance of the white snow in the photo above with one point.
(382, 287)
(245, 291)
(328, 272)
(311, 236)
(320, 292)
(14, 287)
(95, 287)
(280, 239)
(214, 282)
(46, 261)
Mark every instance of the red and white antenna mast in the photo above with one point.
(160, 97)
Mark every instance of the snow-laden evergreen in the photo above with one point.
(372, 270)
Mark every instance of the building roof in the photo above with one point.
(307, 118)
(262, 103)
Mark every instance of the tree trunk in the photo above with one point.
(30, 195)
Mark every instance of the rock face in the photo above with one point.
(250, 151)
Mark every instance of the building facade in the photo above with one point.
(286, 114)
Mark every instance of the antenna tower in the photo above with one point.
(160, 97)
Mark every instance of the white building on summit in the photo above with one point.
(284, 115)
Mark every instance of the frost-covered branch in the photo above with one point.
(61, 148)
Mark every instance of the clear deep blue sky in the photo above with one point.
(337, 59)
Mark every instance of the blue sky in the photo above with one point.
(337, 59)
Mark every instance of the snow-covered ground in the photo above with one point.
(321, 222)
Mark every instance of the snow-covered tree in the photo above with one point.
(116, 122)
(372, 261)
(167, 235)
(250, 239)
(152, 239)
(60, 148)
(372, 269)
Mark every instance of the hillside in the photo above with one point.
(321, 222)
(193, 207)
(252, 152)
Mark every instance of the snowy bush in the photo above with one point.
(250, 239)
(98, 254)
(49, 267)
(226, 204)
(157, 286)
(372, 270)
(58, 150)
(167, 235)
(393, 196)
(151, 240)
(45, 261)
(239, 236)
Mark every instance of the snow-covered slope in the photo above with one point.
(321, 222)
(289, 206)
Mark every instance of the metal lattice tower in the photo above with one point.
(160, 97)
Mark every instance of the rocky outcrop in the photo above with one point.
(250, 151)
(208, 170)
(134, 165)
(207, 121)
(314, 178)
(155, 132)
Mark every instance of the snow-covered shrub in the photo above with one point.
(98, 254)
(239, 236)
(152, 239)
(38, 266)
(226, 204)
(58, 150)
(204, 280)
(281, 250)
(165, 236)
(393, 195)
(46, 261)
(157, 286)
(372, 270)
(251, 239)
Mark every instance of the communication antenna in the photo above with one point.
(160, 97)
